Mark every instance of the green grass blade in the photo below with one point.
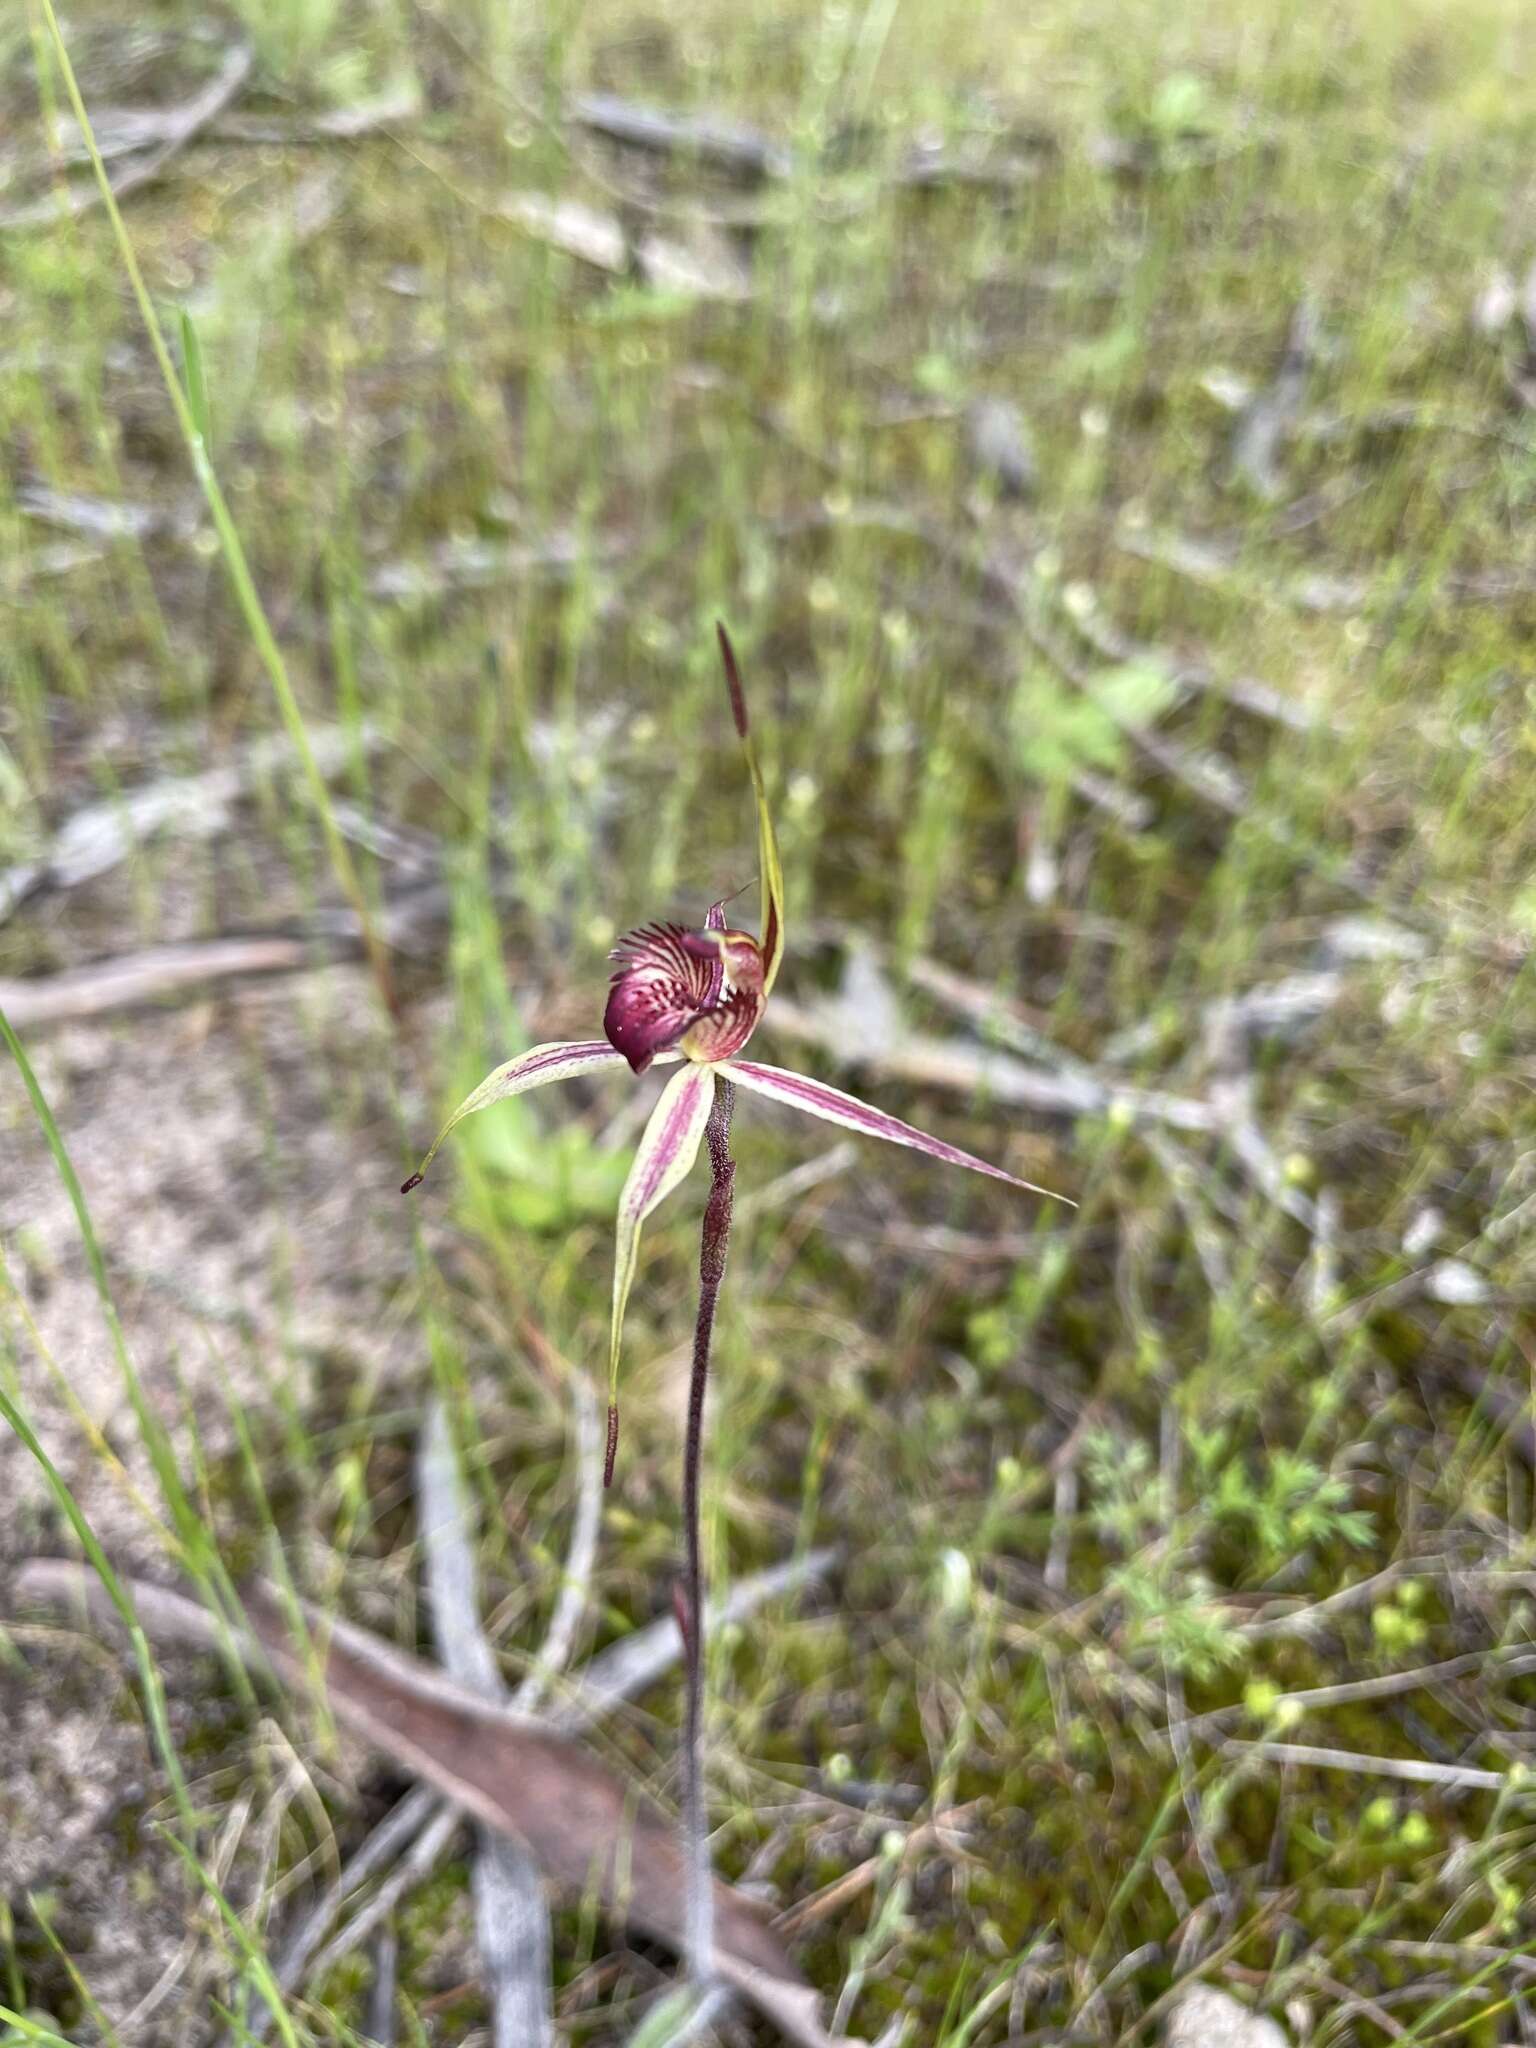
(251, 1955)
(230, 545)
(196, 376)
(198, 1555)
(31, 2031)
(138, 1642)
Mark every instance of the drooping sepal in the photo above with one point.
(665, 1154)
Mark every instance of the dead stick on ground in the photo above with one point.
(511, 1917)
(619, 1673)
(180, 127)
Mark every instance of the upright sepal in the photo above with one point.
(529, 1070)
(817, 1099)
(771, 934)
(666, 1152)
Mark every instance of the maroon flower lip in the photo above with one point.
(661, 986)
(700, 990)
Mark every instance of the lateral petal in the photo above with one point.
(800, 1092)
(556, 1062)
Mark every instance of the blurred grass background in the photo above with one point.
(1108, 437)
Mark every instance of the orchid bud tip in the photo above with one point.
(415, 1181)
(733, 681)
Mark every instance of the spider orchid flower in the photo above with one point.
(694, 998)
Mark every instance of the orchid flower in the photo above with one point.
(694, 998)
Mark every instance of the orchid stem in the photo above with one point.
(712, 1249)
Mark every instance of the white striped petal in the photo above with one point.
(800, 1092)
(529, 1070)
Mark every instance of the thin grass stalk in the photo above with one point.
(714, 1242)
(246, 594)
(155, 1708)
(199, 1554)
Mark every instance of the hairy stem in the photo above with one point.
(712, 1249)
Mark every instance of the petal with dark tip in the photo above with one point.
(531, 1069)
(817, 1099)
(658, 991)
